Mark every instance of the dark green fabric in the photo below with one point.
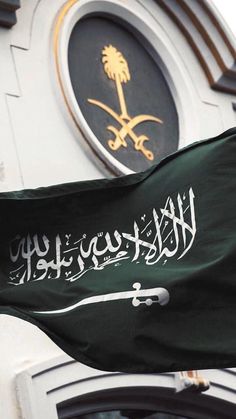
(170, 230)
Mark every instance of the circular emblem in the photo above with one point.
(118, 95)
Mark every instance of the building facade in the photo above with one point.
(58, 104)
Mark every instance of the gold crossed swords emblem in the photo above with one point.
(116, 68)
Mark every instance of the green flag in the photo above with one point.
(134, 274)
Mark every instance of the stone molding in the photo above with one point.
(210, 39)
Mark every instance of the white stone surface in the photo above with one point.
(22, 345)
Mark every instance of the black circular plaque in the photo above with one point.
(122, 93)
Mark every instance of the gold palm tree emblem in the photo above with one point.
(116, 69)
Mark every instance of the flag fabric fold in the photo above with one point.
(133, 274)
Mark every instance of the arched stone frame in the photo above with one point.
(142, 21)
(62, 387)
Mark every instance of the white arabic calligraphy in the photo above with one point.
(161, 234)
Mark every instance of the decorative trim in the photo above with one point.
(203, 28)
(8, 12)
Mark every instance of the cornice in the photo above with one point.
(208, 37)
(8, 12)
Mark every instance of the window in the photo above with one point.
(129, 414)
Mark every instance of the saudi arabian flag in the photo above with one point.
(134, 274)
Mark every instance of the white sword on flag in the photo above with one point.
(161, 296)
